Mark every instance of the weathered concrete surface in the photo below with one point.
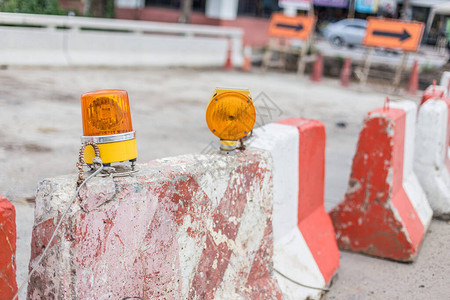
(305, 248)
(8, 285)
(377, 217)
(432, 162)
(188, 227)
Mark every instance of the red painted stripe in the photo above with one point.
(318, 232)
(313, 221)
(398, 117)
(8, 285)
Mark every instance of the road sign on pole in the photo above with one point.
(393, 33)
(283, 26)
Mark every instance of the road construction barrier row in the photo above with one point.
(78, 41)
(246, 225)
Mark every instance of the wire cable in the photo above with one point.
(56, 230)
(301, 284)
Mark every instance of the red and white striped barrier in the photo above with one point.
(305, 247)
(8, 285)
(188, 227)
(432, 163)
(385, 212)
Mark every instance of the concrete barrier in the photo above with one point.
(305, 248)
(433, 92)
(385, 212)
(432, 163)
(188, 227)
(79, 41)
(8, 285)
(445, 81)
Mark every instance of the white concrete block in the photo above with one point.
(411, 184)
(431, 148)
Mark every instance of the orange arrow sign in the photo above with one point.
(393, 33)
(291, 27)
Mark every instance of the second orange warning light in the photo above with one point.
(230, 116)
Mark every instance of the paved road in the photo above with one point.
(40, 125)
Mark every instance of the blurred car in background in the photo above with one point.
(347, 32)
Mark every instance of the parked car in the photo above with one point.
(349, 32)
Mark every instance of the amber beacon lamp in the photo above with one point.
(230, 116)
(107, 123)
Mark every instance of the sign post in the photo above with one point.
(284, 28)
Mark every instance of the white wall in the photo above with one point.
(114, 42)
(222, 9)
(129, 3)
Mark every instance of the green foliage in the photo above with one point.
(109, 9)
(339, 58)
(48, 7)
(428, 68)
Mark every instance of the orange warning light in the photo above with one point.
(107, 122)
(105, 112)
(230, 114)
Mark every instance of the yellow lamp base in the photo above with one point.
(112, 152)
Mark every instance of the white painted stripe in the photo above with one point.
(190, 257)
(282, 143)
(292, 255)
(410, 183)
(293, 258)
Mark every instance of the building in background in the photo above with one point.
(253, 15)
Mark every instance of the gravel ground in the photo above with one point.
(40, 126)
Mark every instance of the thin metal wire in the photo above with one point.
(301, 284)
(56, 229)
